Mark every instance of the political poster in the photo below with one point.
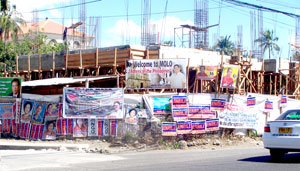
(36, 131)
(92, 128)
(217, 104)
(52, 110)
(113, 128)
(6, 125)
(80, 127)
(38, 112)
(212, 124)
(64, 126)
(198, 127)
(25, 130)
(180, 114)
(156, 73)
(251, 102)
(184, 127)
(238, 117)
(10, 87)
(162, 105)
(6, 110)
(27, 110)
(131, 116)
(100, 128)
(97, 103)
(207, 72)
(179, 102)
(201, 112)
(168, 129)
(283, 101)
(49, 132)
(229, 76)
(268, 106)
(106, 127)
(17, 110)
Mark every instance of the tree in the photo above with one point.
(226, 45)
(268, 41)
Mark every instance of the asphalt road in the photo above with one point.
(234, 159)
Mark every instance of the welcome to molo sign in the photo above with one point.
(156, 73)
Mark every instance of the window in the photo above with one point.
(290, 115)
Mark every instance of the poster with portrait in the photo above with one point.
(49, 132)
(156, 73)
(80, 127)
(132, 116)
(52, 110)
(229, 76)
(10, 87)
(162, 105)
(6, 110)
(207, 72)
(38, 112)
(27, 110)
(98, 103)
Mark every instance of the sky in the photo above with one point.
(115, 30)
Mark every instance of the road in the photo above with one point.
(254, 158)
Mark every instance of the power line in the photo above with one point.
(277, 3)
(244, 4)
(67, 6)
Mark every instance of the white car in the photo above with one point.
(283, 135)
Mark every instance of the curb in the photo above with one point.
(40, 146)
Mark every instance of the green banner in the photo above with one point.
(10, 87)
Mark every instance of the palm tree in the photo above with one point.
(224, 44)
(268, 41)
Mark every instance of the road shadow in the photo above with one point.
(289, 158)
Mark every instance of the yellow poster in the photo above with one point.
(229, 76)
(207, 72)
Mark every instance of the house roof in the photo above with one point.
(50, 27)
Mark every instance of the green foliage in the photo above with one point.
(164, 144)
(226, 45)
(268, 42)
(175, 145)
(128, 137)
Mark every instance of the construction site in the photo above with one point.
(83, 58)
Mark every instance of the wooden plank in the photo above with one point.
(115, 62)
(53, 64)
(17, 64)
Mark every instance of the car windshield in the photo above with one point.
(290, 115)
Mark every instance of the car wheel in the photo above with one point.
(277, 155)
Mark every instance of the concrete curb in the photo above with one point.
(40, 146)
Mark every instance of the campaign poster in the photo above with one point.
(251, 102)
(207, 72)
(36, 131)
(184, 127)
(179, 102)
(6, 110)
(38, 112)
(162, 105)
(100, 128)
(27, 110)
(169, 129)
(6, 125)
(198, 127)
(17, 110)
(49, 132)
(212, 124)
(106, 127)
(201, 112)
(131, 116)
(64, 126)
(10, 87)
(180, 114)
(97, 103)
(52, 110)
(24, 130)
(229, 76)
(80, 127)
(268, 106)
(217, 104)
(113, 128)
(283, 101)
(92, 128)
(156, 73)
